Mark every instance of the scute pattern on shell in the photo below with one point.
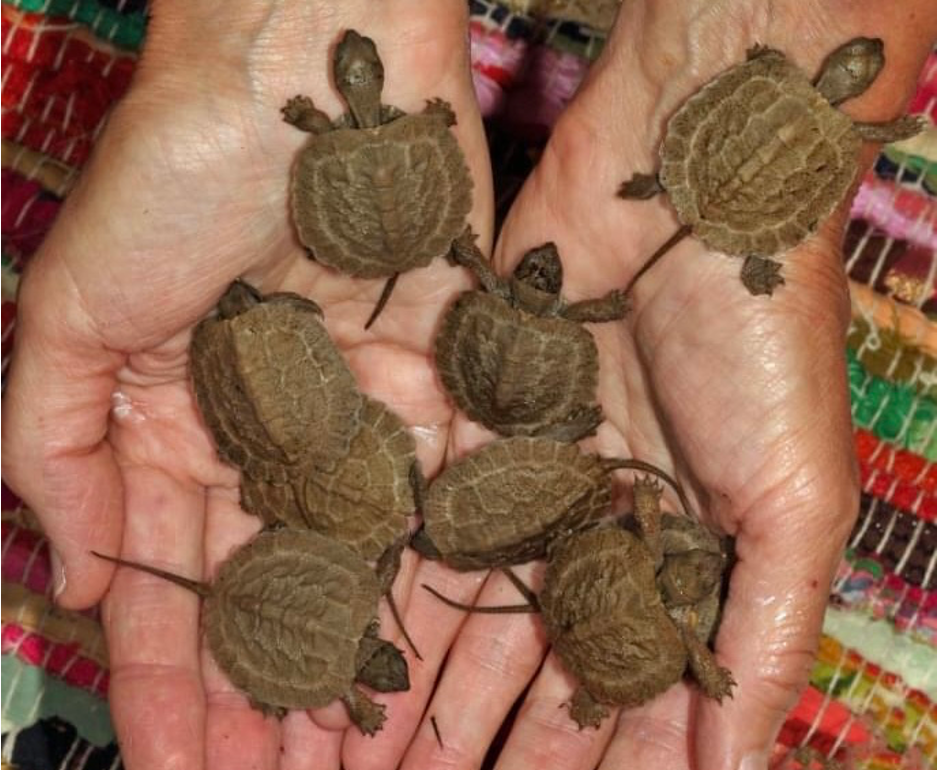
(285, 617)
(512, 371)
(502, 504)
(273, 389)
(605, 618)
(757, 158)
(365, 499)
(361, 499)
(377, 201)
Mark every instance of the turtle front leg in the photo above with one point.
(368, 715)
(465, 253)
(300, 112)
(585, 710)
(440, 108)
(893, 131)
(611, 307)
(641, 187)
(715, 681)
(761, 276)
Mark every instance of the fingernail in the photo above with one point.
(756, 760)
(58, 573)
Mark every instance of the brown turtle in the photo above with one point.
(272, 387)
(756, 159)
(290, 619)
(626, 630)
(377, 192)
(362, 499)
(506, 502)
(613, 627)
(514, 356)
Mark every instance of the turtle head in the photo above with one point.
(239, 298)
(687, 578)
(537, 280)
(359, 76)
(382, 667)
(850, 70)
(541, 269)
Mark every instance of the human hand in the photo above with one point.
(188, 190)
(744, 397)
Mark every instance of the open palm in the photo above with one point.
(744, 398)
(105, 442)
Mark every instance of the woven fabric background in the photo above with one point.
(871, 701)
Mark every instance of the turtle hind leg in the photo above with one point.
(715, 681)
(640, 187)
(585, 710)
(579, 424)
(761, 276)
(895, 130)
(300, 112)
(382, 300)
(365, 713)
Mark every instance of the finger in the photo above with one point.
(491, 662)
(772, 621)
(236, 734)
(654, 734)
(152, 627)
(433, 628)
(306, 746)
(544, 735)
(55, 422)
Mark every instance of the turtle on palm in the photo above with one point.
(757, 158)
(376, 192)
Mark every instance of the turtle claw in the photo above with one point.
(761, 276)
(442, 108)
(302, 113)
(365, 713)
(585, 710)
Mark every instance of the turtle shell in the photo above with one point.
(514, 372)
(757, 158)
(273, 389)
(504, 503)
(285, 617)
(373, 202)
(605, 617)
(362, 500)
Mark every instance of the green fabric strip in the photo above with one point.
(30, 694)
(895, 412)
(891, 358)
(124, 30)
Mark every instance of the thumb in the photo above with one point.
(772, 621)
(56, 454)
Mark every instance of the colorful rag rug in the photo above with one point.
(871, 700)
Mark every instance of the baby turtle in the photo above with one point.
(506, 502)
(514, 356)
(625, 630)
(377, 192)
(363, 499)
(290, 619)
(756, 159)
(612, 628)
(273, 389)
